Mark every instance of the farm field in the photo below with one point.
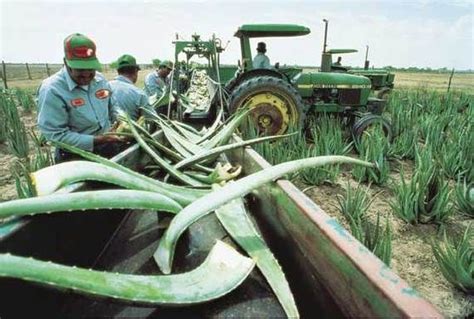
(411, 243)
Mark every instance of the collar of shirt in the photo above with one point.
(123, 79)
(70, 82)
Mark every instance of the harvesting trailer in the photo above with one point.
(281, 98)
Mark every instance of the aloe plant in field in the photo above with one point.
(328, 139)
(464, 198)
(426, 197)
(25, 100)
(456, 260)
(14, 128)
(354, 205)
(373, 147)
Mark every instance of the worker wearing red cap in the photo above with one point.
(75, 105)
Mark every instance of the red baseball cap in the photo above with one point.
(79, 52)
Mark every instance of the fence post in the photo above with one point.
(47, 70)
(28, 70)
(450, 78)
(4, 75)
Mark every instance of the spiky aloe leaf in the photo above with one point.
(50, 179)
(158, 160)
(196, 286)
(456, 260)
(96, 158)
(211, 154)
(236, 222)
(107, 199)
(164, 254)
(224, 134)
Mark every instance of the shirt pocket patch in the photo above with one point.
(102, 94)
(77, 102)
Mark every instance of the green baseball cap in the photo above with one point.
(127, 60)
(166, 64)
(79, 52)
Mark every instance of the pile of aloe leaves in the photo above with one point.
(191, 178)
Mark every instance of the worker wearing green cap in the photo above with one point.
(125, 94)
(157, 81)
(75, 105)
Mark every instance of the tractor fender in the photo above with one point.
(251, 74)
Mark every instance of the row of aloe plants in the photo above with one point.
(28, 158)
(183, 157)
(432, 129)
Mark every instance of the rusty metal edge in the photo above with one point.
(399, 298)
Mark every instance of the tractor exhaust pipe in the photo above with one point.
(366, 63)
(325, 34)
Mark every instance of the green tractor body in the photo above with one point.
(281, 97)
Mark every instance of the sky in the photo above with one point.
(422, 33)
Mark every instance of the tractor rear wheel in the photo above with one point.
(275, 105)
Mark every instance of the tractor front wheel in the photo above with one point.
(368, 121)
(276, 107)
(384, 93)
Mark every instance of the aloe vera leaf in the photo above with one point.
(105, 199)
(211, 154)
(214, 127)
(236, 222)
(220, 174)
(183, 143)
(192, 136)
(196, 286)
(174, 143)
(202, 206)
(187, 127)
(192, 193)
(49, 179)
(224, 134)
(164, 164)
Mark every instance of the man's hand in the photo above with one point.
(108, 138)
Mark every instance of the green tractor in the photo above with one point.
(280, 98)
(381, 79)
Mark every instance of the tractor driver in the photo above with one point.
(156, 81)
(338, 62)
(261, 61)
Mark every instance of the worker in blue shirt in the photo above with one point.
(157, 81)
(261, 61)
(125, 94)
(75, 104)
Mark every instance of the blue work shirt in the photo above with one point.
(261, 61)
(155, 84)
(129, 98)
(71, 114)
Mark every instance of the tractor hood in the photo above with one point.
(332, 80)
(271, 30)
